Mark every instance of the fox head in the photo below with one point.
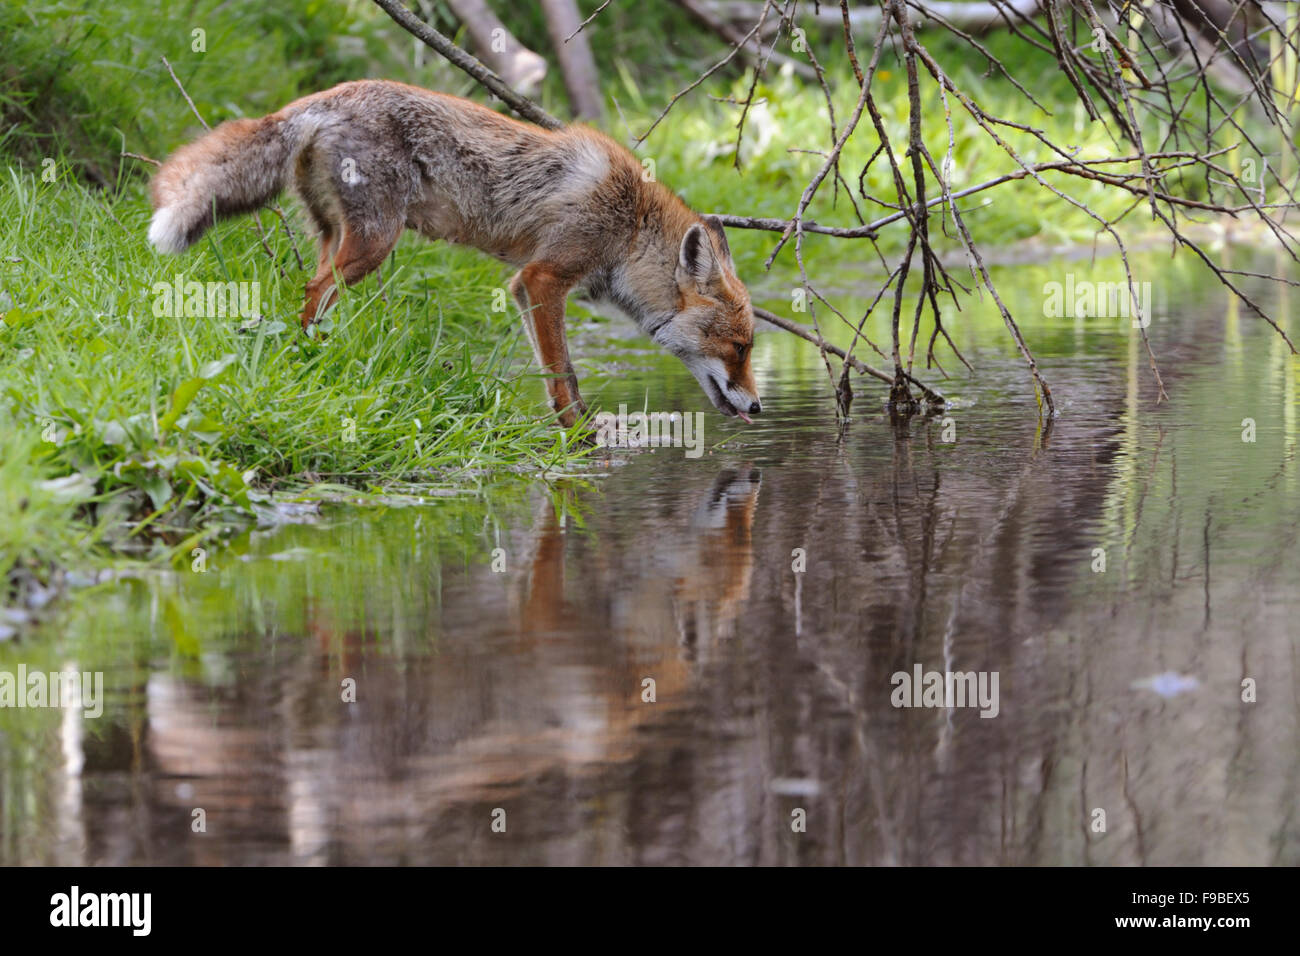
(712, 328)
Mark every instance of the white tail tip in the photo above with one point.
(167, 230)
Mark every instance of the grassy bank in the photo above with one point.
(155, 424)
(129, 427)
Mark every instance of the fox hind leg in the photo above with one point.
(312, 183)
(357, 207)
(358, 254)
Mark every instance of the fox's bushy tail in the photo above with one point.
(235, 168)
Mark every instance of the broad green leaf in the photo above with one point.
(181, 399)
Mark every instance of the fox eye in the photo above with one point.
(741, 349)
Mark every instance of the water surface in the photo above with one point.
(520, 687)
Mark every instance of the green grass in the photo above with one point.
(159, 425)
(148, 433)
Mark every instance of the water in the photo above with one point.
(519, 695)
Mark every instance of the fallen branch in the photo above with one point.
(519, 67)
(431, 38)
(576, 62)
(703, 14)
(969, 16)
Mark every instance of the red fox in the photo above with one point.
(570, 208)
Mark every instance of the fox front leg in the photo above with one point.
(540, 289)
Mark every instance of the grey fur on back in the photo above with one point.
(371, 153)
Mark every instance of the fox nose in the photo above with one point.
(755, 408)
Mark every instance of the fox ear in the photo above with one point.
(697, 261)
(719, 236)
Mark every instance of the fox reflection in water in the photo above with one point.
(557, 685)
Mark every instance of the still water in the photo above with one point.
(1130, 575)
